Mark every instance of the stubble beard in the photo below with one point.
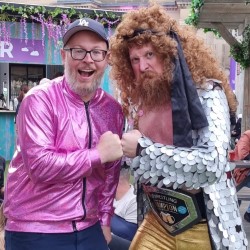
(78, 87)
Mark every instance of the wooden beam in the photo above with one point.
(245, 125)
(203, 25)
(223, 18)
(241, 29)
(231, 13)
(224, 1)
(228, 37)
(232, 8)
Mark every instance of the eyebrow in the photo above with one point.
(139, 32)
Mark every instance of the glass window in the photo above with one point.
(24, 74)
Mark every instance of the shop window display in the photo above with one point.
(24, 74)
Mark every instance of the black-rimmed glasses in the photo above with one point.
(97, 55)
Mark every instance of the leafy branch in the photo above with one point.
(14, 13)
(193, 18)
(241, 51)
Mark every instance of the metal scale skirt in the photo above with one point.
(204, 165)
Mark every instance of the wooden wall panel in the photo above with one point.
(245, 125)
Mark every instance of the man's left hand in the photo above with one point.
(107, 233)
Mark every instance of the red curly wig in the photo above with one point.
(200, 59)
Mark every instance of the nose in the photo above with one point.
(88, 57)
(143, 65)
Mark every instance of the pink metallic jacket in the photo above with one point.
(56, 182)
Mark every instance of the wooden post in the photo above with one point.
(245, 123)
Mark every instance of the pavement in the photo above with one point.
(243, 208)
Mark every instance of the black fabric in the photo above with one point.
(187, 110)
(232, 118)
(2, 170)
(247, 157)
(237, 129)
(201, 204)
(91, 238)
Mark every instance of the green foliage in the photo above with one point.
(240, 51)
(12, 13)
(216, 32)
(193, 17)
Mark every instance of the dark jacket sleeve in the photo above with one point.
(2, 169)
(237, 128)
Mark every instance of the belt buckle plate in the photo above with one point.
(176, 210)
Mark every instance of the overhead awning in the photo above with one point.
(224, 15)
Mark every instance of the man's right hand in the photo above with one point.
(109, 147)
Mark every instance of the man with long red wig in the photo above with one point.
(177, 101)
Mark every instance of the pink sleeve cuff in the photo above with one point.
(94, 158)
(105, 219)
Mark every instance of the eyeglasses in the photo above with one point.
(97, 55)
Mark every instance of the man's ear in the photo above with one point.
(63, 55)
(109, 58)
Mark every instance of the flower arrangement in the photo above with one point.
(54, 21)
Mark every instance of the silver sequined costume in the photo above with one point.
(203, 166)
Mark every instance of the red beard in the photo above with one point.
(152, 89)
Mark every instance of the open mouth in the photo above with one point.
(86, 73)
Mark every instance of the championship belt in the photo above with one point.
(176, 211)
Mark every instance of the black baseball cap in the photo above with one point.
(85, 24)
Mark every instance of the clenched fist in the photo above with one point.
(129, 142)
(109, 147)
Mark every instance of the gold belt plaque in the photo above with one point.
(176, 210)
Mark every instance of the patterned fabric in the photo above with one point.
(203, 165)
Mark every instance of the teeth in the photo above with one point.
(87, 70)
(86, 73)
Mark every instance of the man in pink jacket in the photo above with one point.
(63, 176)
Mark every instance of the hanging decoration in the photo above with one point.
(53, 21)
